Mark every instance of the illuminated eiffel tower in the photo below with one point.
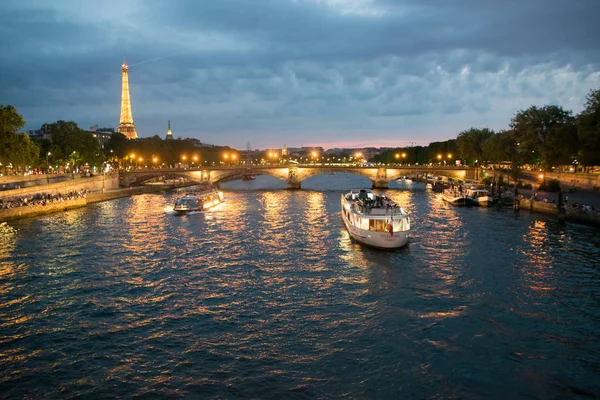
(126, 126)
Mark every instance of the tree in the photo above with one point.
(15, 148)
(70, 144)
(10, 123)
(588, 130)
(545, 134)
(470, 144)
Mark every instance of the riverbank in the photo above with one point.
(37, 210)
(581, 206)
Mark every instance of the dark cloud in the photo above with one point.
(326, 69)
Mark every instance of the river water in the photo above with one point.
(267, 297)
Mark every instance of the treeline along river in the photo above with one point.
(267, 297)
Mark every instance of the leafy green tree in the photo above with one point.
(470, 143)
(588, 130)
(15, 148)
(545, 134)
(71, 144)
(10, 123)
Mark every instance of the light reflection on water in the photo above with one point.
(266, 296)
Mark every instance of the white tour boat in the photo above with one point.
(480, 197)
(456, 197)
(375, 220)
(198, 201)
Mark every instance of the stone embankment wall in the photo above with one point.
(12, 214)
(94, 183)
(567, 180)
(36, 180)
(571, 214)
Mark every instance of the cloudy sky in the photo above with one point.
(334, 73)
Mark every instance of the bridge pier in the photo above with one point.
(379, 184)
(381, 180)
(292, 181)
(295, 185)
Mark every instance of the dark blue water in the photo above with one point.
(266, 297)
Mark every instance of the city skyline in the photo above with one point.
(330, 73)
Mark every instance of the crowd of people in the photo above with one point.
(41, 199)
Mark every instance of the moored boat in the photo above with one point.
(456, 197)
(480, 197)
(198, 201)
(375, 220)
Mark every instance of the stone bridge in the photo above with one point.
(293, 175)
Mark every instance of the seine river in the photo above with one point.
(267, 297)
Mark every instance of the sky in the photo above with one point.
(330, 73)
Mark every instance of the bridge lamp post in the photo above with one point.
(233, 158)
(183, 158)
(195, 159)
(358, 156)
(439, 157)
(131, 157)
(154, 161)
(140, 159)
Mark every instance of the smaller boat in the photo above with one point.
(197, 201)
(405, 179)
(480, 197)
(456, 197)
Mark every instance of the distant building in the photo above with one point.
(103, 135)
(41, 134)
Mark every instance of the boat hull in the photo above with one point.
(379, 240)
(484, 201)
(458, 201)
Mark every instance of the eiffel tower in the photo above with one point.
(126, 126)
